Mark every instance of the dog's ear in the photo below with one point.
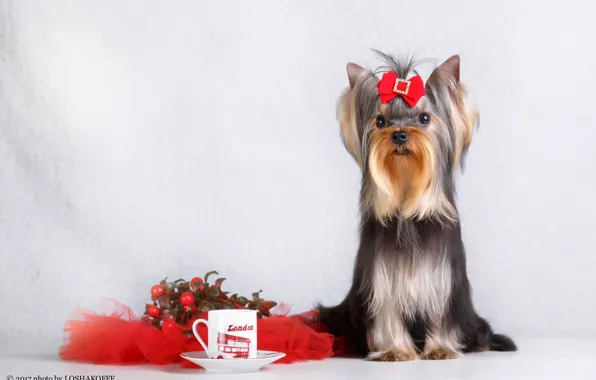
(445, 86)
(450, 67)
(348, 110)
(356, 73)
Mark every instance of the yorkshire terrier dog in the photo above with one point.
(410, 296)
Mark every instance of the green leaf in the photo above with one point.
(179, 280)
(164, 281)
(163, 302)
(235, 295)
(209, 274)
(242, 300)
(255, 295)
(218, 282)
(268, 304)
(213, 291)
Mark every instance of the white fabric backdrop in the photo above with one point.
(144, 139)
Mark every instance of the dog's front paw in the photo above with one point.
(392, 355)
(478, 349)
(440, 353)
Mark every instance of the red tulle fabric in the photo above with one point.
(122, 338)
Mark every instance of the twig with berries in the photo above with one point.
(181, 301)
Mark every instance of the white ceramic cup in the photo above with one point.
(232, 334)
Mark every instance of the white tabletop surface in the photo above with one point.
(540, 359)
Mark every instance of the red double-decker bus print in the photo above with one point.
(232, 346)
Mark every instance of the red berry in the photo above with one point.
(153, 310)
(157, 290)
(168, 323)
(187, 299)
(196, 283)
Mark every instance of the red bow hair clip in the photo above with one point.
(390, 86)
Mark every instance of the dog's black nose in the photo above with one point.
(399, 138)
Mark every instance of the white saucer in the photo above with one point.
(233, 365)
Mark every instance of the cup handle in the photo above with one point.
(194, 331)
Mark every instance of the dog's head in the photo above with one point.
(408, 137)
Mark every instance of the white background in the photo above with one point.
(144, 139)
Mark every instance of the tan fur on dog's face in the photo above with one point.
(408, 185)
(401, 178)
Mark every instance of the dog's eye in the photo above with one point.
(381, 122)
(424, 118)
